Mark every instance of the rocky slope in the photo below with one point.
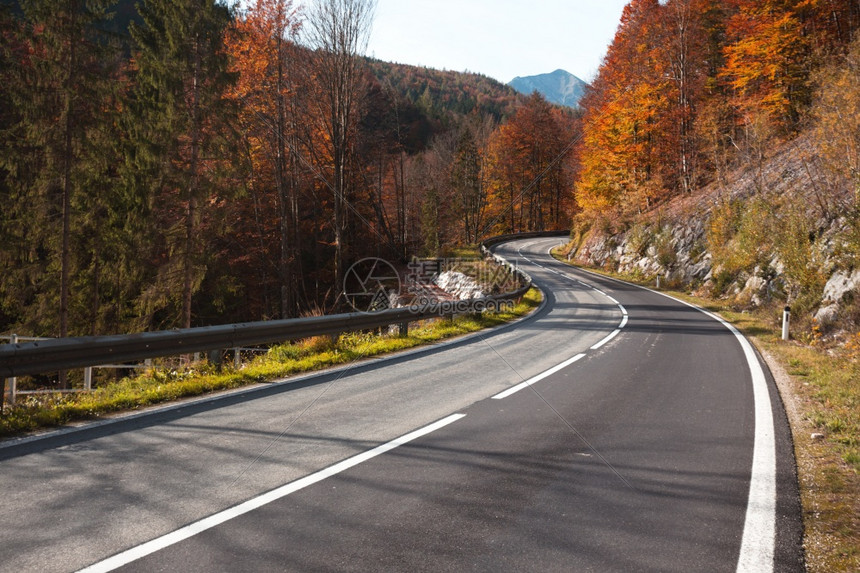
(781, 234)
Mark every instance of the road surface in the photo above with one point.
(613, 430)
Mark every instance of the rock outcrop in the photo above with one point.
(673, 245)
(458, 285)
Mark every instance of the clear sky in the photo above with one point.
(498, 38)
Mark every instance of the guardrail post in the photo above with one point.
(404, 329)
(237, 359)
(88, 378)
(13, 382)
(214, 357)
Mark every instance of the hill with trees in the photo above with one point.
(751, 104)
(213, 165)
(740, 119)
(152, 181)
(441, 93)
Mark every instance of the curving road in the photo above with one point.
(614, 430)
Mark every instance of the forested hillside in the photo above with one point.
(208, 166)
(720, 150)
(442, 95)
(692, 88)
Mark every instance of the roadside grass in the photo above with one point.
(822, 399)
(156, 386)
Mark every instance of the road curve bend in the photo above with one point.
(615, 429)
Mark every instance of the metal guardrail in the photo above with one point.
(493, 241)
(10, 393)
(28, 358)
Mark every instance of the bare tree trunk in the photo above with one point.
(402, 206)
(339, 31)
(193, 190)
(68, 150)
(94, 306)
(284, 190)
(681, 64)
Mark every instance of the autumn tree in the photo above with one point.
(767, 60)
(338, 32)
(384, 149)
(528, 154)
(467, 182)
(179, 114)
(685, 51)
(407, 135)
(714, 123)
(265, 58)
(432, 174)
(625, 119)
(837, 117)
(836, 20)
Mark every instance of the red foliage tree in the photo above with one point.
(529, 157)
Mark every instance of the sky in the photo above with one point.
(502, 39)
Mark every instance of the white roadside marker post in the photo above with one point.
(786, 319)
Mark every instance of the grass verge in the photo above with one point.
(156, 386)
(821, 391)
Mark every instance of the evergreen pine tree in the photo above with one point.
(179, 117)
(58, 86)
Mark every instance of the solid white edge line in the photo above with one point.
(538, 377)
(757, 545)
(623, 321)
(193, 529)
(607, 339)
(759, 536)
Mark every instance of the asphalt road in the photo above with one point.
(636, 455)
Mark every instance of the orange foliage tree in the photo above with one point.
(264, 55)
(691, 85)
(529, 178)
(626, 114)
(767, 59)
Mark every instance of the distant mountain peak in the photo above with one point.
(559, 87)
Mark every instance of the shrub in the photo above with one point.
(796, 245)
(740, 234)
(723, 280)
(639, 239)
(666, 255)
